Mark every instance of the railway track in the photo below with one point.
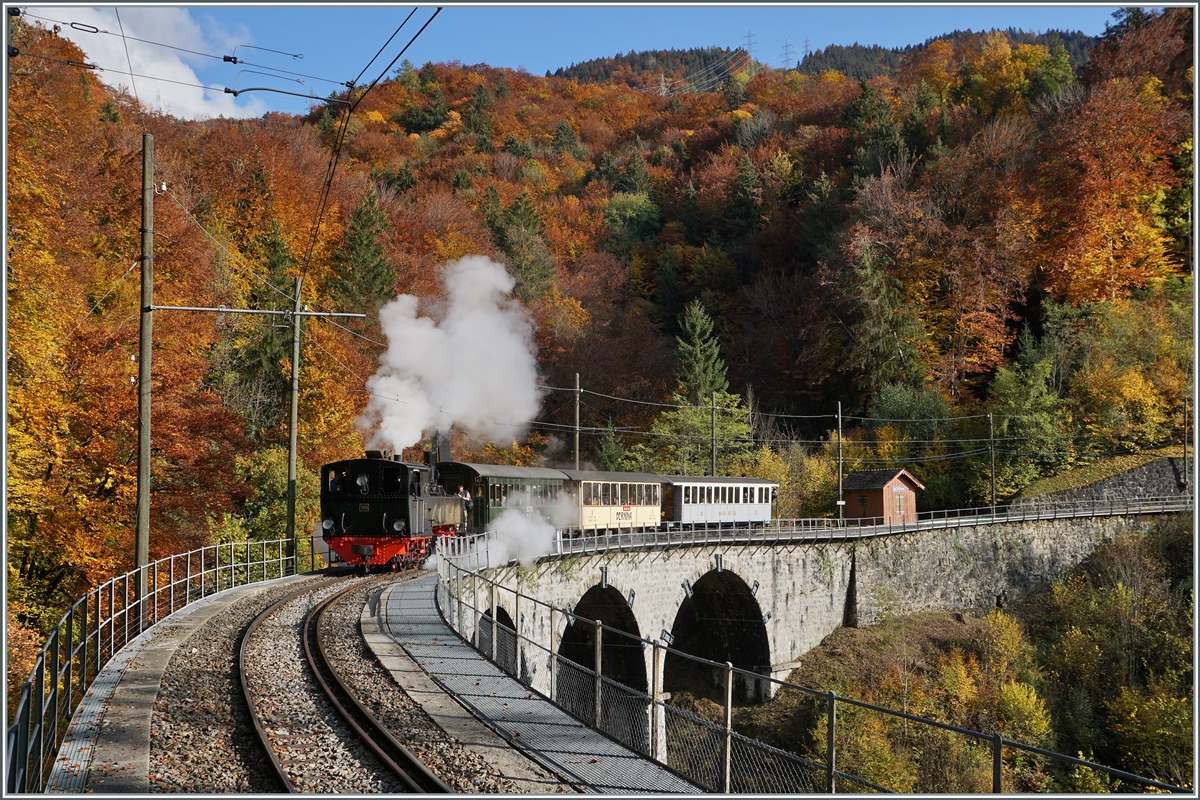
(407, 768)
(317, 735)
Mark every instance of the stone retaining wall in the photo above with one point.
(1162, 477)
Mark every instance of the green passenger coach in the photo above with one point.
(495, 487)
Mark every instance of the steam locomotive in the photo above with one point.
(378, 510)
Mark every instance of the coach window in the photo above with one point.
(641, 494)
(687, 495)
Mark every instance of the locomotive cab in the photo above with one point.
(373, 510)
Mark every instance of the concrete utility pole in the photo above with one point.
(841, 501)
(576, 420)
(714, 435)
(291, 504)
(141, 553)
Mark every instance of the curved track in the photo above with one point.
(415, 776)
(405, 772)
(280, 772)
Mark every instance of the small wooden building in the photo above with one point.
(889, 495)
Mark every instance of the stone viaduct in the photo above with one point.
(762, 606)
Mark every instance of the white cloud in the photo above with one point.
(172, 26)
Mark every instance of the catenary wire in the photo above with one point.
(37, 370)
(128, 60)
(84, 27)
(333, 159)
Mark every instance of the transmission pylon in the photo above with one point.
(750, 51)
(789, 54)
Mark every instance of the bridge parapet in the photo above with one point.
(582, 681)
(822, 529)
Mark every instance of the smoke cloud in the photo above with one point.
(518, 536)
(473, 362)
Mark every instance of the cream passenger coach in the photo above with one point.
(593, 501)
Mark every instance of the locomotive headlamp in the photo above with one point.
(398, 525)
(362, 481)
(327, 524)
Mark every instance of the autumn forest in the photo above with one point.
(989, 227)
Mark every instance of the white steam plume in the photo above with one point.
(475, 365)
(519, 537)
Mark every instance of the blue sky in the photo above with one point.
(337, 42)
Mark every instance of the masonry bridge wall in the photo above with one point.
(786, 599)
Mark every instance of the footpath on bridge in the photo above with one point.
(579, 754)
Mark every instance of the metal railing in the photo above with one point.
(107, 618)
(825, 529)
(711, 755)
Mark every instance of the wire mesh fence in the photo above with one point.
(106, 619)
(711, 755)
(575, 691)
(625, 715)
(758, 768)
(695, 748)
(506, 650)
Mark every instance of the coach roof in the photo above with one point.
(679, 480)
(504, 471)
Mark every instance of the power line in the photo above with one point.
(84, 27)
(228, 252)
(341, 136)
(37, 370)
(128, 60)
(385, 44)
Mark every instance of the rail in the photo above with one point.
(107, 618)
(824, 529)
(712, 755)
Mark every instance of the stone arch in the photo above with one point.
(720, 621)
(622, 662)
